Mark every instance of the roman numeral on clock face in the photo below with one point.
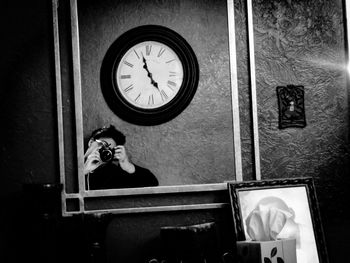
(148, 50)
(137, 98)
(163, 95)
(136, 54)
(128, 64)
(171, 84)
(172, 74)
(125, 76)
(150, 100)
(128, 88)
(161, 51)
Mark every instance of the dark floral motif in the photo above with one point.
(285, 24)
(273, 252)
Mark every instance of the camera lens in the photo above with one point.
(106, 155)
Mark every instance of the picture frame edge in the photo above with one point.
(318, 231)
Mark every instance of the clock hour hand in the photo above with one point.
(149, 74)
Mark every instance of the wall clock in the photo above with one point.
(149, 75)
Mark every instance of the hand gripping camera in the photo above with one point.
(106, 153)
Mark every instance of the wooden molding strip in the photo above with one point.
(159, 209)
(253, 90)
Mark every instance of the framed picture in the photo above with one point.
(297, 208)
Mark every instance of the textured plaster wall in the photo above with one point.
(27, 109)
(302, 43)
(28, 147)
(197, 146)
(244, 93)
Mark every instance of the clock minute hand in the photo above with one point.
(149, 74)
(145, 64)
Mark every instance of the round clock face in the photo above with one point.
(149, 75)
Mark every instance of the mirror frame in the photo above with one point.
(253, 96)
(80, 197)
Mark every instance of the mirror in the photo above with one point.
(197, 151)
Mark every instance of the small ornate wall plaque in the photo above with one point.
(291, 109)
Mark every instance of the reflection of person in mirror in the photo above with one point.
(107, 165)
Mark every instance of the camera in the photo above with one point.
(106, 153)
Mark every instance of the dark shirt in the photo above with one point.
(112, 176)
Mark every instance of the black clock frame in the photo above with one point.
(119, 105)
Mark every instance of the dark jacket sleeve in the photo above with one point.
(144, 177)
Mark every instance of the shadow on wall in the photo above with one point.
(28, 102)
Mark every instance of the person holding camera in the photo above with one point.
(107, 165)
